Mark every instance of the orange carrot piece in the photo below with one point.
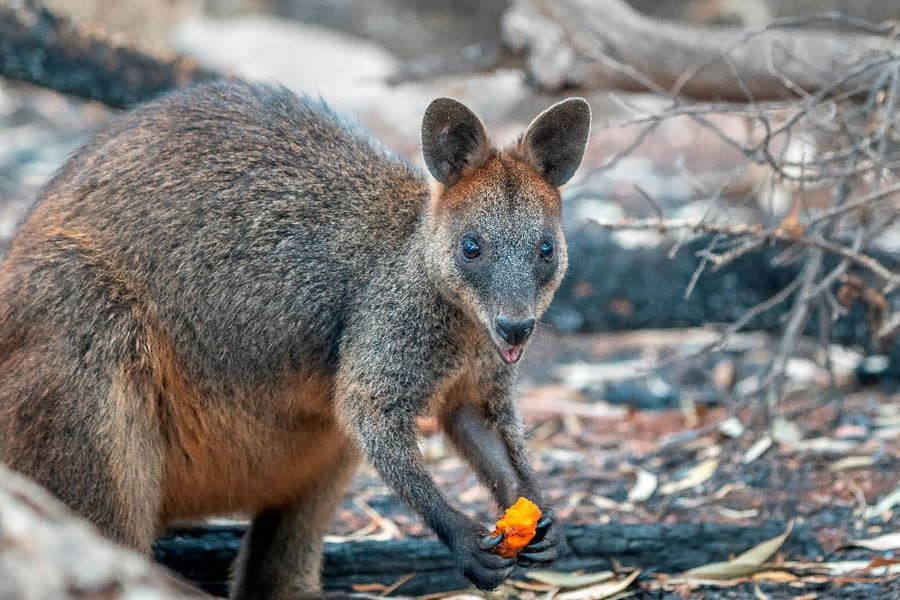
(518, 526)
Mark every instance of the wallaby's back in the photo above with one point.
(171, 310)
(229, 209)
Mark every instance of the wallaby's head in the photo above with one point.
(497, 248)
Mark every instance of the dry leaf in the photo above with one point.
(644, 486)
(823, 445)
(606, 503)
(757, 449)
(689, 412)
(883, 505)
(725, 570)
(697, 475)
(883, 543)
(393, 587)
(732, 427)
(723, 375)
(762, 552)
(600, 591)
(730, 513)
(745, 565)
(728, 488)
(551, 399)
(621, 595)
(774, 575)
(531, 586)
(785, 432)
(851, 462)
(569, 580)
(843, 568)
(888, 421)
(880, 562)
(572, 424)
(581, 375)
(368, 588)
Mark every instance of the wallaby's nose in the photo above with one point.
(514, 332)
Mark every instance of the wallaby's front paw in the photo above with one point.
(546, 546)
(482, 567)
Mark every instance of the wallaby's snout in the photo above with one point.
(514, 332)
(496, 220)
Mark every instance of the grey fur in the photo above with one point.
(555, 141)
(453, 140)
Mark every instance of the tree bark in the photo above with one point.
(605, 44)
(203, 554)
(40, 47)
(46, 552)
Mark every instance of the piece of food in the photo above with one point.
(518, 526)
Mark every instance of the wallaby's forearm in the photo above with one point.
(394, 454)
(488, 454)
(509, 427)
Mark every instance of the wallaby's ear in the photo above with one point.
(453, 140)
(554, 142)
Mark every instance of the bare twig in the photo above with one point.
(739, 229)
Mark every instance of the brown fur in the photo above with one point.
(226, 463)
(482, 180)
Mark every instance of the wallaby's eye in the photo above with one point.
(470, 248)
(546, 250)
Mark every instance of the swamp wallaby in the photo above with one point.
(228, 297)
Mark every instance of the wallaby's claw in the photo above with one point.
(489, 542)
(545, 522)
(546, 545)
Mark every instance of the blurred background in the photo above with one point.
(724, 348)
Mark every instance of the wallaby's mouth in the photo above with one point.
(510, 334)
(511, 355)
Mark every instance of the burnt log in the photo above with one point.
(610, 287)
(40, 47)
(204, 554)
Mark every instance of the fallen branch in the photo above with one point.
(48, 552)
(664, 226)
(40, 47)
(606, 44)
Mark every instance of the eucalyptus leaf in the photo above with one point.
(600, 591)
(644, 486)
(569, 580)
(882, 543)
(696, 476)
(749, 563)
